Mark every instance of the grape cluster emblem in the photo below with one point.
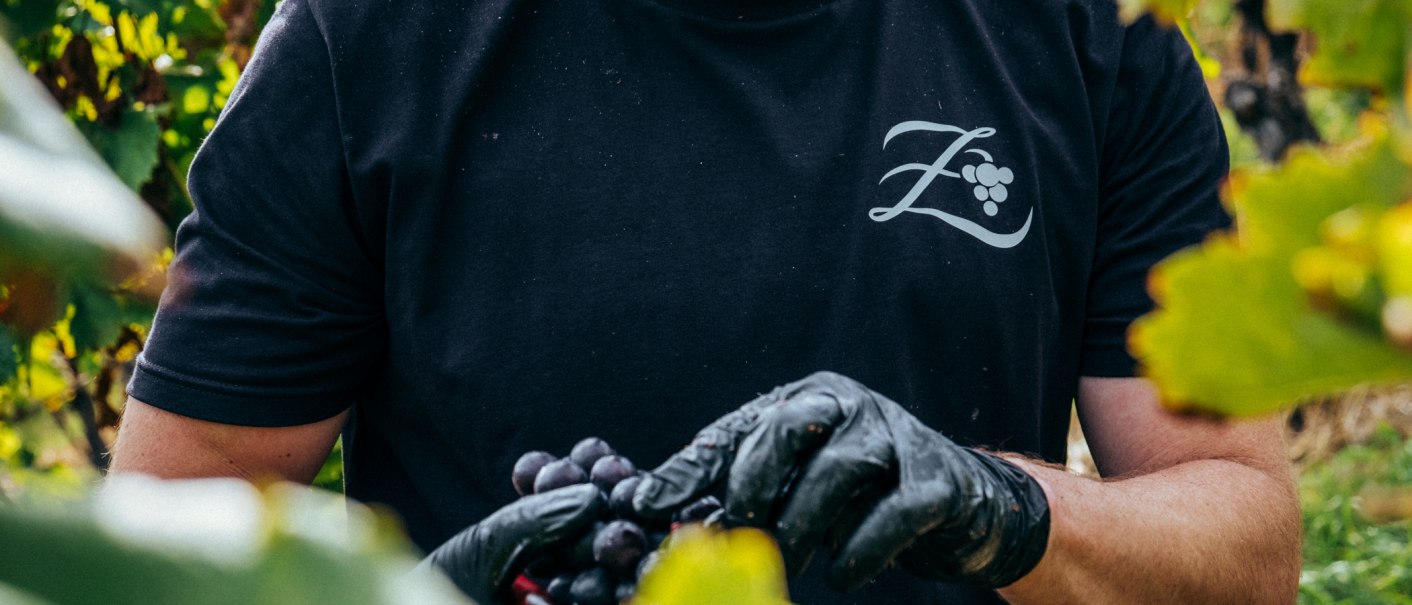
(990, 182)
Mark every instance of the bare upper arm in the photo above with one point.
(1130, 433)
(168, 445)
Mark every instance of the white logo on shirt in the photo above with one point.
(990, 183)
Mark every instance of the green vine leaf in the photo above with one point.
(130, 149)
(101, 313)
(24, 18)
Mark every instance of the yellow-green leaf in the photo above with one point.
(1362, 43)
(709, 567)
(1235, 335)
(1167, 11)
(1394, 242)
(1240, 327)
(1281, 209)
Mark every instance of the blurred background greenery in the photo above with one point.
(144, 80)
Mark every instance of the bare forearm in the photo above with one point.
(171, 446)
(1205, 531)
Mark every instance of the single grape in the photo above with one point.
(557, 474)
(698, 510)
(592, 587)
(560, 589)
(620, 500)
(526, 468)
(588, 451)
(618, 547)
(609, 470)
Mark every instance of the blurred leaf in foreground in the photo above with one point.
(707, 567)
(1289, 308)
(61, 209)
(1357, 43)
(212, 542)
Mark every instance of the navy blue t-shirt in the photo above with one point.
(505, 225)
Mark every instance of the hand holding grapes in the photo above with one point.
(485, 557)
(826, 455)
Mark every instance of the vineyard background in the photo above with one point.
(144, 80)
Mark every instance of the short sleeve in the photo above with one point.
(1163, 161)
(272, 314)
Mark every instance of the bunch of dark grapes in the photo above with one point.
(602, 567)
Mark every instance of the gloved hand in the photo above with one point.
(827, 454)
(485, 557)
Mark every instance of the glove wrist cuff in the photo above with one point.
(1023, 526)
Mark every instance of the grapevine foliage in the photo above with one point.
(143, 82)
(1313, 295)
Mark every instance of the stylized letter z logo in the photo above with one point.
(990, 183)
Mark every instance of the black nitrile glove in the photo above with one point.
(826, 455)
(485, 557)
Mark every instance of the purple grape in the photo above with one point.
(592, 587)
(560, 589)
(618, 546)
(588, 451)
(557, 474)
(526, 468)
(698, 510)
(620, 500)
(609, 470)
